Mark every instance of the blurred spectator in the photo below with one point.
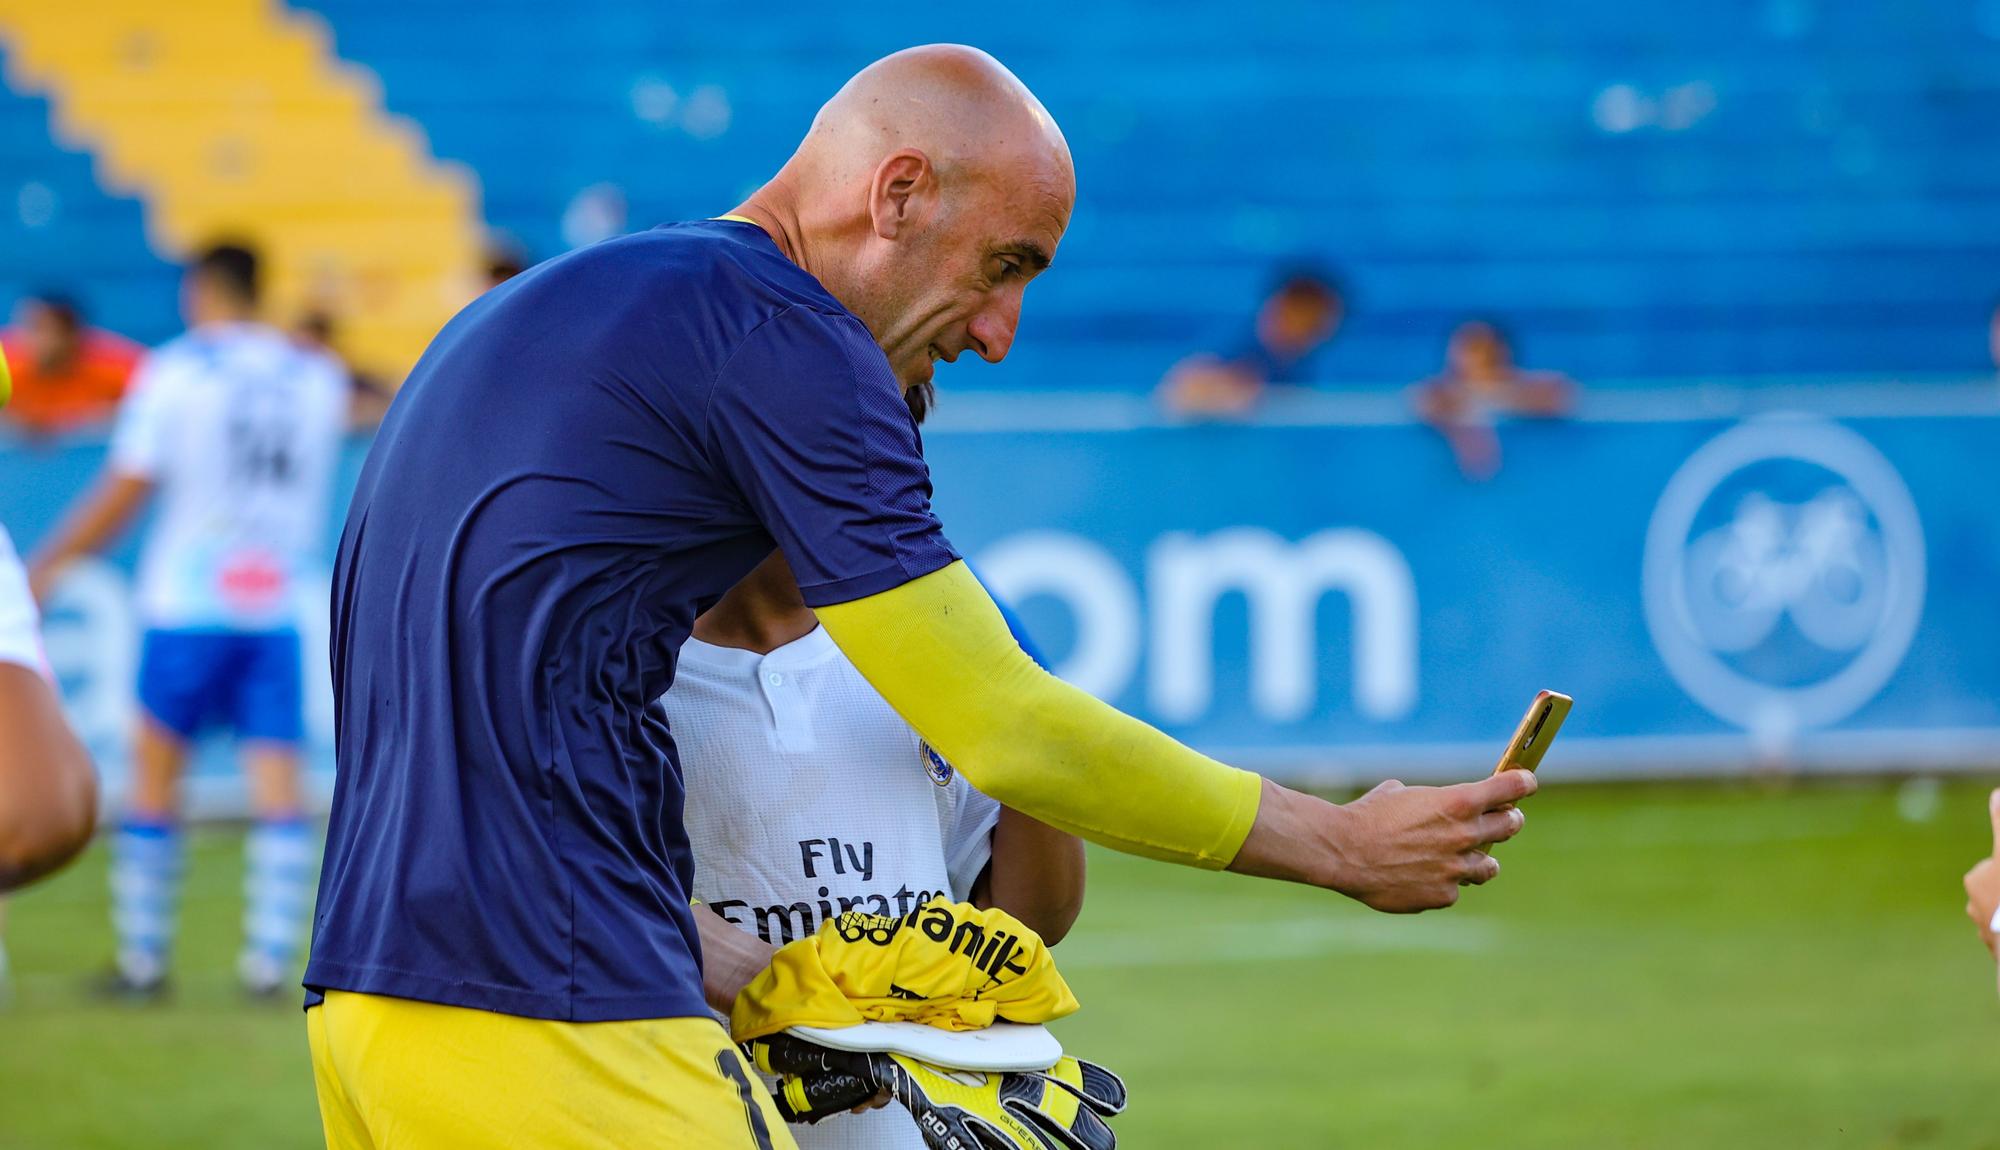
(234, 433)
(1298, 317)
(504, 261)
(1480, 383)
(369, 398)
(314, 331)
(66, 374)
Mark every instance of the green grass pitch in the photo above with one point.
(1659, 967)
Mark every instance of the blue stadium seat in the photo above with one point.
(1709, 188)
(60, 231)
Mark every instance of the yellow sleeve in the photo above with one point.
(939, 652)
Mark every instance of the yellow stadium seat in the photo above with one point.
(234, 119)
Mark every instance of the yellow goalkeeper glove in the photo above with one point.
(944, 964)
(1062, 1108)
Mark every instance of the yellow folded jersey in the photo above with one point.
(945, 964)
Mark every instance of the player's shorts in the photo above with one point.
(394, 1074)
(248, 681)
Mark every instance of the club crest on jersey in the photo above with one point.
(935, 766)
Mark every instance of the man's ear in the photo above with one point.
(903, 191)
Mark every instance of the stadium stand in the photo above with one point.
(1683, 190)
(58, 229)
(230, 118)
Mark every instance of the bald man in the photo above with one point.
(585, 459)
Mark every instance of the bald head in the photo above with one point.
(930, 189)
(958, 105)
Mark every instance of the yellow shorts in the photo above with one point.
(400, 1075)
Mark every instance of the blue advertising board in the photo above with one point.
(1327, 598)
(1337, 601)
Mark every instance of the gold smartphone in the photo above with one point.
(1537, 730)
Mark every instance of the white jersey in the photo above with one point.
(808, 796)
(240, 430)
(20, 623)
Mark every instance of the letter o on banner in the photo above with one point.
(1098, 593)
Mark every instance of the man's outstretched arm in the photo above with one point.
(938, 650)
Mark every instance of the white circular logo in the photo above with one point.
(1784, 574)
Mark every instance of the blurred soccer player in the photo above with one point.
(235, 431)
(588, 456)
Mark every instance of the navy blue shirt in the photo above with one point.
(585, 458)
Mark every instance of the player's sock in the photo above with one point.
(146, 866)
(278, 889)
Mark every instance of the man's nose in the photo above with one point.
(992, 329)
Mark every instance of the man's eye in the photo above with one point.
(1009, 270)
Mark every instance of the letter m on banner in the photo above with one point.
(1283, 583)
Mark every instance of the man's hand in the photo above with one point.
(1398, 849)
(1982, 884)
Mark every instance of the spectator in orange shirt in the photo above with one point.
(1480, 383)
(66, 374)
